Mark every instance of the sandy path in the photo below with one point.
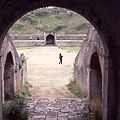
(49, 79)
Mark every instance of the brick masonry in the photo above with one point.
(10, 67)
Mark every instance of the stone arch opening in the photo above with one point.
(8, 77)
(93, 12)
(50, 39)
(95, 81)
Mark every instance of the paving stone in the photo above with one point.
(31, 109)
(54, 109)
(42, 104)
(57, 109)
(38, 117)
(58, 100)
(47, 118)
(73, 113)
(52, 114)
(72, 107)
(74, 118)
(54, 105)
(65, 103)
(62, 118)
(40, 109)
(63, 114)
(30, 118)
(44, 100)
(67, 109)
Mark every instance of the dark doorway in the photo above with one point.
(8, 77)
(50, 39)
(96, 87)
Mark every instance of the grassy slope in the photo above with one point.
(44, 21)
(70, 48)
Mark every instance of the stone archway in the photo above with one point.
(102, 14)
(95, 81)
(8, 76)
(50, 39)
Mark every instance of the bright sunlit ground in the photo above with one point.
(48, 77)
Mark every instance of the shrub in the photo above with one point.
(25, 90)
(41, 13)
(16, 108)
(59, 28)
(22, 60)
(75, 90)
(88, 116)
(83, 26)
(31, 18)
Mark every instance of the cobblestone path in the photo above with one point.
(58, 109)
(51, 100)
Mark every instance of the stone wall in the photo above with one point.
(23, 68)
(40, 40)
(25, 43)
(11, 72)
(68, 42)
(91, 45)
(27, 36)
(91, 71)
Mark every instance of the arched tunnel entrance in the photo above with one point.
(8, 76)
(95, 82)
(50, 39)
(93, 12)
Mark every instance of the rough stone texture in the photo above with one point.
(69, 43)
(23, 68)
(44, 35)
(103, 14)
(20, 43)
(27, 36)
(58, 108)
(91, 68)
(25, 43)
(11, 74)
(91, 45)
(60, 40)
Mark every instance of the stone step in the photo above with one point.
(41, 108)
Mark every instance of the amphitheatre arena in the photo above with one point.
(34, 86)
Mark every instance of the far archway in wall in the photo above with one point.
(50, 39)
(8, 76)
(95, 80)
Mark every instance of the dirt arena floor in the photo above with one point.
(47, 76)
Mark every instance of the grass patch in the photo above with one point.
(16, 108)
(49, 19)
(75, 90)
(70, 48)
(27, 47)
